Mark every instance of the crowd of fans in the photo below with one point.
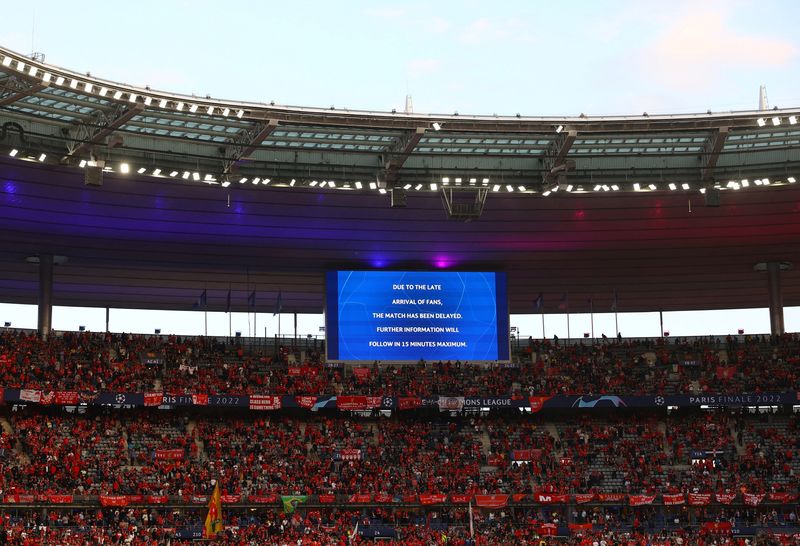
(96, 362)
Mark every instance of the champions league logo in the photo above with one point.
(120, 398)
(659, 400)
(607, 401)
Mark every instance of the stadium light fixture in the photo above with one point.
(226, 183)
(757, 182)
(163, 103)
(792, 120)
(745, 183)
(685, 186)
(702, 190)
(598, 187)
(82, 164)
(373, 186)
(485, 182)
(141, 170)
(42, 157)
(672, 186)
(473, 181)
(13, 152)
(545, 193)
(179, 107)
(196, 176)
(242, 180)
(496, 187)
(761, 122)
(406, 187)
(33, 71)
(117, 94)
(124, 168)
(359, 185)
(73, 84)
(445, 180)
(20, 66)
(88, 87)
(156, 172)
(436, 126)
(776, 121)
(569, 187)
(765, 181)
(637, 187)
(312, 183)
(331, 183)
(418, 187)
(382, 191)
(509, 188)
(292, 183)
(256, 180)
(559, 128)
(239, 114)
(433, 186)
(193, 108)
(46, 77)
(186, 175)
(173, 174)
(103, 91)
(226, 111)
(133, 97)
(60, 80)
(736, 186)
(522, 188)
(210, 111)
(791, 180)
(458, 181)
(652, 187)
(605, 187)
(7, 61)
(148, 101)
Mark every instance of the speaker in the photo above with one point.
(398, 197)
(712, 197)
(93, 176)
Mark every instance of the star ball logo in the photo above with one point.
(659, 400)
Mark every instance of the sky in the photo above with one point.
(530, 57)
(538, 58)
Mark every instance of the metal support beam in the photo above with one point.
(711, 151)
(555, 158)
(13, 89)
(775, 298)
(400, 152)
(100, 125)
(245, 142)
(45, 322)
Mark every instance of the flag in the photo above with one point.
(538, 304)
(471, 529)
(251, 301)
(214, 518)
(228, 302)
(564, 303)
(278, 303)
(290, 502)
(201, 302)
(614, 302)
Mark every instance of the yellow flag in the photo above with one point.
(214, 517)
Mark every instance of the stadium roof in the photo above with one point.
(206, 193)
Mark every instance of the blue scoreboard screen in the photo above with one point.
(413, 315)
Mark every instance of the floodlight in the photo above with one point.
(141, 170)
(193, 108)
(436, 126)
(358, 185)
(73, 84)
(434, 187)
(761, 122)
(672, 186)
(124, 168)
(791, 180)
(42, 157)
(776, 121)
(496, 187)
(13, 152)
(117, 94)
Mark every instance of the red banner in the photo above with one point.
(518, 497)
(526, 454)
(699, 499)
(327, 499)
(725, 372)
(153, 398)
(199, 499)
(550, 498)
(157, 499)
(264, 403)
(491, 501)
(349, 454)
(583, 498)
(200, 399)
(383, 498)
(460, 498)
(113, 500)
(537, 402)
(362, 374)
(169, 454)
(29, 395)
(358, 402)
(611, 497)
(19, 498)
(360, 498)
(719, 527)
(59, 499)
(782, 497)
(264, 499)
(751, 499)
(672, 500)
(306, 402)
(547, 529)
(725, 498)
(135, 499)
(641, 500)
(299, 371)
(407, 403)
(67, 398)
(230, 499)
(580, 528)
(432, 498)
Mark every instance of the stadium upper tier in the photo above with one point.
(74, 117)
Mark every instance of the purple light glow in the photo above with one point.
(442, 262)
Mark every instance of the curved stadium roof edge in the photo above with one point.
(260, 110)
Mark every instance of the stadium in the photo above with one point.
(422, 416)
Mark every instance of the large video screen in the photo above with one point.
(413, 315)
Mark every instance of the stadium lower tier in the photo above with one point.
(460, 527)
